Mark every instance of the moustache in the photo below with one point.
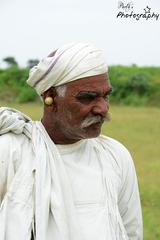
(91, 119)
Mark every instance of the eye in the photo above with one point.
(85, 97)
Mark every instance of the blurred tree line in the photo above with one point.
(132, 85)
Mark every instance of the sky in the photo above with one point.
(32, 29)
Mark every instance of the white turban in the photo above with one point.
(69, 63)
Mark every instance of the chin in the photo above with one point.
(93, 134)
(93, 131)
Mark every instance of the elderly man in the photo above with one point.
(59, 178)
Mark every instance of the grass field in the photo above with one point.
(139, 130)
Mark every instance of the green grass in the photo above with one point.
(139, 130)
(34, 110)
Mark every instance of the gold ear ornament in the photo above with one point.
(48, 101)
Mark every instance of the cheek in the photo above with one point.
(80, 109)
(78, 112)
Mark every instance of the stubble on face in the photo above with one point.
(75, 119)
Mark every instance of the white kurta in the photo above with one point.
(102, 178)
(81, 191)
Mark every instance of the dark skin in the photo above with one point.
(83, 98)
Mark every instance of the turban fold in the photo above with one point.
(69, 63)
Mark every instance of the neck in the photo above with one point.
(56, 135)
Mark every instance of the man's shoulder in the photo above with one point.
(9, 138)
(14, 149)
(111, 143)
(117, 150)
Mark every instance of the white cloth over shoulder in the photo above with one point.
(69, 63)
(54, 195)
(53, 191)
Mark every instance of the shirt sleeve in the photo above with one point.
(129, 200)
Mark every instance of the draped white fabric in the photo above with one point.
(41, 187)
(51, 183)
(70, 62)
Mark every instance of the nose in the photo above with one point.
(101, 107)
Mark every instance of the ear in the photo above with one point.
(51, 92)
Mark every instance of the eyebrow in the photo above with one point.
(92, 94)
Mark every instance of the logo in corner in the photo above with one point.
(127, 11)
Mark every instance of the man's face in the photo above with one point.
(83, 109)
